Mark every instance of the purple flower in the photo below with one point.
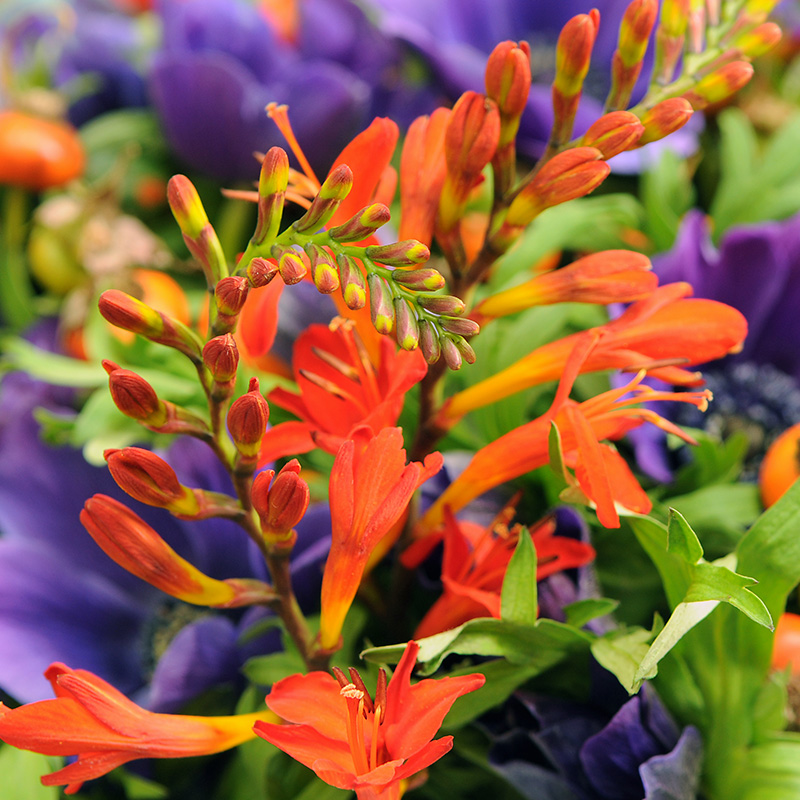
(553, 749)
(756, 269)
(63, 599)
(220, 64)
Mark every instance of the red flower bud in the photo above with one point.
(613, 133)
(354, 289)
(272, 184)
(260, 271)
(406, 325)
(362, 225)
(221, 356)
(333, 190)
(429, 341)
(381, 304)
(399, 254)
(230, 294)
(323, 270)
(291, 266)
(134, 396)
(665, 118)
(508, 82)
(427, 279)
(247, 421)
(282, 504)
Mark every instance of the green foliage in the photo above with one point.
(26, 769)
(519, 593)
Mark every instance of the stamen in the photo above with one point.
(333, 361)
(359, 683)
(360, 356)
(378, 716)
(355, 727)
(332, 388)
(280, 115)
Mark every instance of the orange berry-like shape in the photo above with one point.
(37, 153)
(781, 466)
(786, 649)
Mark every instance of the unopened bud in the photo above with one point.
(149, 479)
(187, 208)
(450, 353)
(442, 304)
(573, 173)
(133, 315)
(429, 341)
(465, 349)
(260, 271)
(323, 269)
(460, 325)
(755, 42)
(280, 503)
(130, 542)
(290, 265)
(665, 118)
(198, 234)
(230, 295)
(634, 35)
(333, 190)
(134, 396)
(427, 279)
(381, 307)
(721, 84)
(508, 82)
(471, 139)
(399, 254)
(247, 422)
(272, 184)
(613, 133)
(354, 289)
(362, 225)
(406, 326)
(635, 29)
(670, 36)
(221, 356)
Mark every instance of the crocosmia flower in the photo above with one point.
(91, 719)
(475, 562)
(355, 742)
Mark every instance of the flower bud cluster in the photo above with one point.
(280, 501)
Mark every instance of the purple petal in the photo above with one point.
(676, 775)
(204, 654)
(55, 611)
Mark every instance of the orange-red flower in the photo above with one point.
(90, 719)
(600, 472)
(370, 488)
(475, 562)
(666, 329)
(341, 387)
(358, 743)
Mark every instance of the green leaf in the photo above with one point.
(21, 771)
(266, 670)
(717, 582)
(583, 611)
(621, 652)
(539, 646)
(681, 539)
(518, 599)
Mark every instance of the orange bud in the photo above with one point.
(719, 85)
(786, 647)
(149, 479)
(272, 184)
(634, 31)
(186, 205)
(399, 254)
(613, 133)
(323, 270)
(282, 504)
(362, 225)
(129, 541)
(574, 52)
(756, 42)
(664, 118)
(247, 421)
(130, 314)
(260, 271)
(471, 139)
(780, 467)
(38, 154)
(221, 356)
(291, 266)
(230, 294)
(354, 288)
(381, 305)
(333, 190)
(508, 83)
(134, 396)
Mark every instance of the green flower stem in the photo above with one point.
(16, 291)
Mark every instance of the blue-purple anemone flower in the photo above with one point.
(454, 37)
(607, 749)
(220, 63)
(756, 269)
(63, 599)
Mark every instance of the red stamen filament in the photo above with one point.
(355, 727)
(279, 113)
